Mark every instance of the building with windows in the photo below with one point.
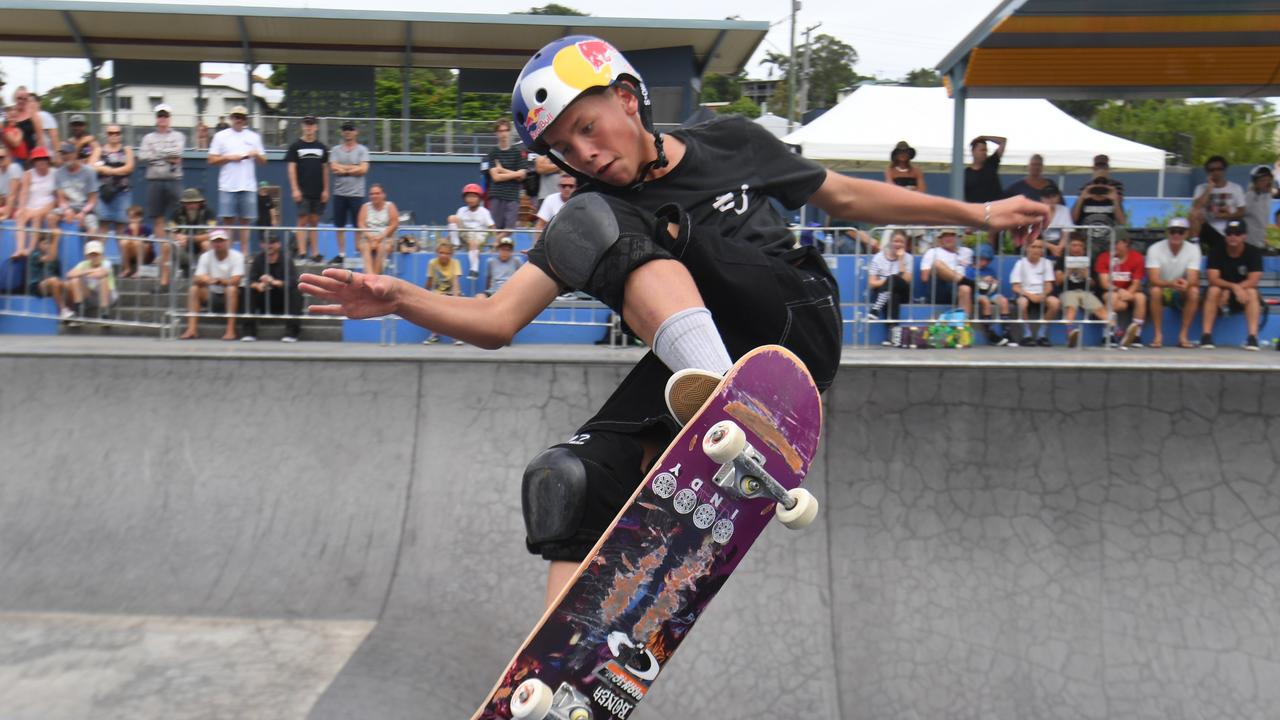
(217, 94)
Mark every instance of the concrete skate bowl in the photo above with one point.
(223, 536)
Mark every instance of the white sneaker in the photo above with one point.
(687, 390)
(66, 314)
(289, 339)
(248, 338)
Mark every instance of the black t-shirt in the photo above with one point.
(1025, 189)
(1235, 269)
(1077, 278)
(281, 269)
(513, 158)
(984, 185)
(1099, 210)
(265, 206)
(311, 158)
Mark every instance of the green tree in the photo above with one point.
(72, 97)
(1242, 133)
(433, 94)
(923, 77)
(1082, 110)
(550, 9)
(743, 106)
(831, 70)
(722, 88)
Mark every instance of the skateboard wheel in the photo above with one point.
(531, 700)
(805, 510)
(724, 441)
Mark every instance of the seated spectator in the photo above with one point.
(378, 221)
(1033, 184)
(1257, 205)
(1217, 202)
(273, 290)
(1059, 222)
(849, 240)
(188, 233)
(987, 287)
(113, 162)
(86, 145)
(889, 280)
(473, 219)
(552, 203)
(44, 271)
(501, 268)
(37, 200)
(134, 251)
(217, 283)
(10, 184)
(1173, 279)
(77, 191)
(1100, 205)
(1079, 286)
(1033, 282)
(442, 278)
(901, 172)
(1234, 271)
(942, 274)
(1121, 281)
(92, 283)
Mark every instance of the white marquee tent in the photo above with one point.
(862, 130)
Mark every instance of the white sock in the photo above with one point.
(453, 233)
(474, 255)
(689, 339)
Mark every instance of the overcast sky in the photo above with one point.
(892, 38)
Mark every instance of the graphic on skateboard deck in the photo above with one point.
(736, 464)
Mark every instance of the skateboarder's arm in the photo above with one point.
(872, 201)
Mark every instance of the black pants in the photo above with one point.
(888, 299)
(272, 302)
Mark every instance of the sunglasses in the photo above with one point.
(1177, 231)
(1236, 232)
(568, 185)
(113, 132)
(1216, 168)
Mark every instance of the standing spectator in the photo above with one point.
(552, 205)
(1257, 205)
(134, 250)
(308, 162)
(1033, 279)
(85, 143)
(268, 211)
(196, 221)
(442, 278)
(1235, 268)
(216, 282)
(1075, 275)
(234, 152)
(889, 278)
(1173, 279)
(349, 163)
(1121, 280)
(273, 289)
(114, 165)
(10, 184)
(474, 220)
(77, 190)
(501, 268)
(379, 219)
(901, 172)
(992, 304)
(45, 277)
(26, 119)
(1216, 203)
(51, 137)
(14, 138)
(982, 178)
(1033, 184)
(548, 177)
(1100, 204)
(37, 198)
(506, 168)
(1059, 222)
(221, 124)
(942, 273)
(92, 283)
(202, 136)
(161, 153)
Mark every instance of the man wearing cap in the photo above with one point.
(161, 154)
(216, 282)
(235, 152)
(307, 161)
(189, 232)
(349, 163)
(84, 141)
(1173, 278)
(273, 289)
(1257, 205)
(1100, 204)
(1217, 202)
(92, 283)
(77, 191)
(1234, 270)
(942, 273)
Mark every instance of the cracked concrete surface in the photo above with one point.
(995, 542)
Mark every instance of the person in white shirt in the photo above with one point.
(889, 278)
(942, 274)
(1257, 205)
(216, 282)
(1033, 282)
(1216, 203)
(1173, 279)
(235, 151)
(1059, 224)
(552, 203)
(475, 222)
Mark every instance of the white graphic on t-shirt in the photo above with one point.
(725, 202)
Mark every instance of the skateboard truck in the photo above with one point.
(743, 475)
(534, 700)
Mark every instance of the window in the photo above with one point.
(202, 105)
(126, 102)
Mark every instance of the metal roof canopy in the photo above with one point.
(1109, 49)
(145, 31)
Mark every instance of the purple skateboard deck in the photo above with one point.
(636, 596)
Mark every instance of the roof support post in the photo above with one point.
(247, 47)
(405, 69)
(959, 94)
(95, 103)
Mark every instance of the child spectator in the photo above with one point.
(1173, 274)
(378, 221)
(37, 199)
(1055, 232)
(1234, 270)
(273, 288)
(1033, 280)
(501, 268)
(45, 273)
(93, 284)
(987, 287)
(133, 251)
(216, 282)
(474, 219)
(889, 278)
(1078, 283)
(442, 278)
(1121, 279)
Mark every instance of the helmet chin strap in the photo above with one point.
(655, 164)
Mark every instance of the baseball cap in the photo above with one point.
(1260, 170)
(162, 108)
(1101, 161)
(1235, 227)
(985, 252)
(506, 241)
(239, 110)
(309, 120)
(348, 125)
(263, 183)
(67, 147)
(77, 118)
(1179, 222)
(217, 234)
(92, 247)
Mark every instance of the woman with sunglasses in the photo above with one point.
(114, 163)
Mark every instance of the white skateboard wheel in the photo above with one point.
(724, 441)
(802, 514)
(531, 700)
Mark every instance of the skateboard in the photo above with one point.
(734, 466)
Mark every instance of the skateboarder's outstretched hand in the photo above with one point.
(350, 293)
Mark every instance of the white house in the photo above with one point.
(219, 93)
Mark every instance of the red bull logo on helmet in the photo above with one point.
(537, 120)
(597, 52)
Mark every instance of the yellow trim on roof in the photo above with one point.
(1138, 24)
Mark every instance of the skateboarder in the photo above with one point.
(675, 232)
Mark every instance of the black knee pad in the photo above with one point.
(553, 495)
